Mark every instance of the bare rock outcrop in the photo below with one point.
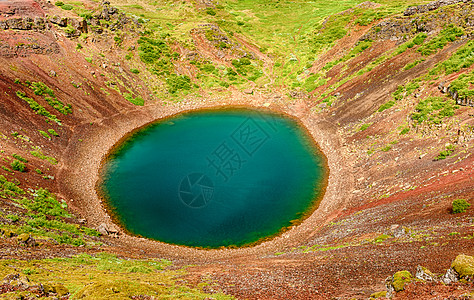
(430, 6)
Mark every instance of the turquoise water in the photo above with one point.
(214, 178)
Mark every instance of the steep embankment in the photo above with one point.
(386, 92)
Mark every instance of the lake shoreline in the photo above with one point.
(93, 143)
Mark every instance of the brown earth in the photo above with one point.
(367, 195)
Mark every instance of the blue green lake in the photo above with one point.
(214, 178)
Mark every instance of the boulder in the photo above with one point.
(106, 230)
(59, 21)
(464, 266)
(26, 240)
(399, 280)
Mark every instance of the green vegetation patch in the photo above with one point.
(134, 100)
(445, 153)
(9, 189)
(313, 82)
(155, 53)
(359, 48)
(41, 89)
(39, 154)
(449, 34)
(462, 58)
(18, 166)
(22, 159)
(44, 217)
(387, 105)
(464, 85)
(417, 40)
(104, 276)
(434, 110)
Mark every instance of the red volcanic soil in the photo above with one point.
(23, 8)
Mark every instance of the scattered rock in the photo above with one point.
(103, 229)
(389, 286)
(60, 21)
(400, 231)
(26, 240)
(106, 230)
(248, 91)
(450, 276)
(424, 274)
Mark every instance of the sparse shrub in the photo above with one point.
(364, 126)
(460, 206)
(53, 132)
(44, 134)
(210, 11)
(18, 166)
(387, 105)
(178, 82)
(40, 110)
(445, 153)
(137, 100)
(135, 71)
(59, 3)
(67, 7)
(12, 217)
(405, 131)
(16, 156)
(78, 46)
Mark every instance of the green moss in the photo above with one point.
(137, 100)
(381, 238)
(400, 279)
(378, 295)
(44, 134)
(464, 265)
